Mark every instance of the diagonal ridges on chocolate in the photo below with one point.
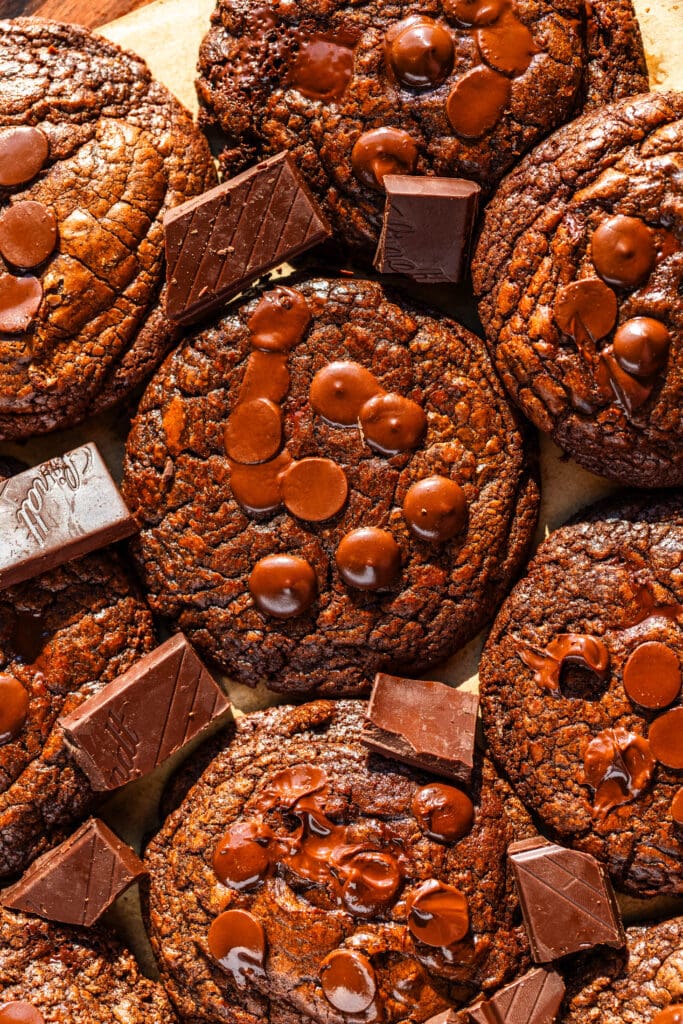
(219, 243)
(535, 998)
(77, 881)
(140, 719)
(566, 898)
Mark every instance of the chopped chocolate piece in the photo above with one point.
(220, 242)
(533, 999)
(77, 881)
(57, 511)
(566, 898)
(144, 716)
(426, 724)
(445, 1017)
(427, 227)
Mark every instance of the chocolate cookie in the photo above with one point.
(53, 973)
(580, 268)
(62, 637)
(93, 151)
(581, 689)
(329, 483)
(304, 878)
(456, 88)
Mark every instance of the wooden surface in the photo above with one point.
(84, 12)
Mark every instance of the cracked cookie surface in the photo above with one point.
(120, 152)
(590, 350)
(237, 491)
(581, 689)
(458, 88)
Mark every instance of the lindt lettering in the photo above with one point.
(62, 473)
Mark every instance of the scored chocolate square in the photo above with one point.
(220, 242)
(425, 724)
(427, 229)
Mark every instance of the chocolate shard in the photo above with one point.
(445, 1017)
(218, 243)
(427, 227)
(567, 901)
(77, 881)
(57, 511)
(534, 998)
(138, 720)
(425, 724)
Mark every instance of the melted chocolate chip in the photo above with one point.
(435, 508)
(665, 738)
(652, 675)
(677, 808)
(508, 45)
(283, 586)
(314, 489)
(323, 68)
(641, 346)
(23, 152)
(348, 981)
(279, 321)
(420, 52)
(28, 234)
(392, 423)
(20, 1012)
(238, 942)
(253, 432)
(477, 102)
(474, 12)
(290, 785)
(258, 488)
(20, 299)
(373, 881)
(567, 648)
(671, 1015)
(14, 703)
(383, 151)
(588, 303)
(368, 559)
(618, 765)
(437, 914)
(624, 251)
(266, 376)
(242, 857)
(629, 392)
(340, 390)
(443, 812)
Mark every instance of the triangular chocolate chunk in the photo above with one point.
(534, 998)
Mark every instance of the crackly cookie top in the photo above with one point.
(580, 283)
(303, 875)
(92, 152)
(452, 87)
(581, 689)
(330, 483)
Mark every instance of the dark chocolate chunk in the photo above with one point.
(566, 898)
(533, 999)
(57, 511)
(426, 724)
(427, 227)
(77, 881)
(220, 242)
(144, 716)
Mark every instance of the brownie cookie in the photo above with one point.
(457, 88)
(357, 888)
(329, 483)
(579, 269)
(62, 637)
(52, 973)
(93, 152)
(581, 689)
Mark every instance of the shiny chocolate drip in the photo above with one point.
(443, 812)
(237, 941)
(437, 914)
(567, 648)
(323, 67)
(618, 765)
(419, 52)
(348, 981)
(383, 151)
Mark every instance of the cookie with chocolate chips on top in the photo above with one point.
(304, 878)
(329, 483)
(93, 152)
(579, 270)
(453, 88)
(581, 689)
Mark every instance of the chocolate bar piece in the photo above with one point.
(138, 720)
(220, 242)
(567, 900)
(427, 227)
(534, 998)
(425, 724)
(57, 511)
(445, 1017)
(76, 882)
